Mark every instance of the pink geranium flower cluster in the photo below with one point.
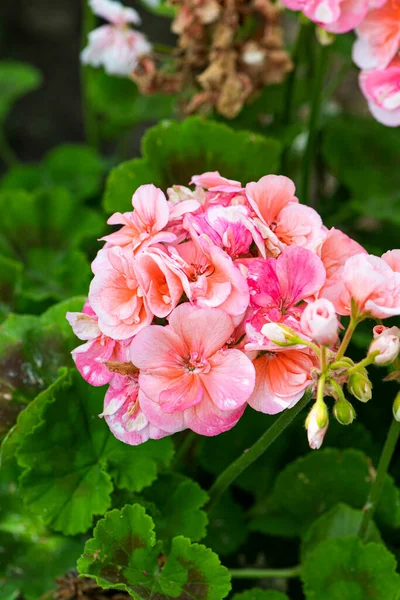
(376, 51)
(219, 296)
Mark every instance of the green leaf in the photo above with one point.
(260, 594)
(32, 349)
(16, 80)
(76, 167)
(174, 152)
(178, 501)
(345, 569)
(340, 521)
(40, 234)
(66, 479)
(363, 154)
(33, 557)
(312, 485)
(120, 105)
(124, 554)
(10, 283)
(228, 529)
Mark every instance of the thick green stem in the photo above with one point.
(368, 360)
(183, 449)
(249, 456)
(307, 166)
(376, 486)
(89, 117)
(265, 573)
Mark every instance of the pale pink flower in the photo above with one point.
(145, 224)
(228, 227)
(118, 50)
(159, 280)
(115, 295)
(212, 180)
(388, 346)
(378, 36)
(373, 286)
(381, 88)
(210, 278)
(320, 323)
(89, 358)
(188, 378)
(114, 12)
(276, 288)
(123, 413)
(281, 379)
(392, 258)
(279, 218)
(336, 16)
(334, 252)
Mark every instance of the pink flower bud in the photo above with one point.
(319, 321)
(317, 424)
(388, 346)
(280, 334)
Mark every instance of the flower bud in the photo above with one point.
(396, 407)
(360, 386)
(388, 347)
(317, 424)
(344, 412)
(319, 321)
(280, 334)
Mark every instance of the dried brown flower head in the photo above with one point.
(227, 50)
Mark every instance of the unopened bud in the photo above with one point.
(360, 386)
(387, 346)
(319, 321)
(279, 334)
(344, 412)
(396, 407)
(317, 424)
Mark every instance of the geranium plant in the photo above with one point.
(200, 346)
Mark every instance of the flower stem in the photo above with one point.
(376, 486)
(265, 573)
(289, 85)
(346, 338)
(368, 360)
(89, 117)
(322, 60)
(249, 456)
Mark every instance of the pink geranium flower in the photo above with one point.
(378, 36)
(373, 285)
(334, 252)
(337, 16)
(276, 288)
(145, 225)
(210, 278)
(115, 46)
(89, 358)
(381, 88)
(228, 227)
(123, 413)
(279, 218)
(192, 379)
(159, 280)
(115, 295)
(281, 379)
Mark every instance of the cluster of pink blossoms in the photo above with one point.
(218, 297)
(376, 51)
(116, 47)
